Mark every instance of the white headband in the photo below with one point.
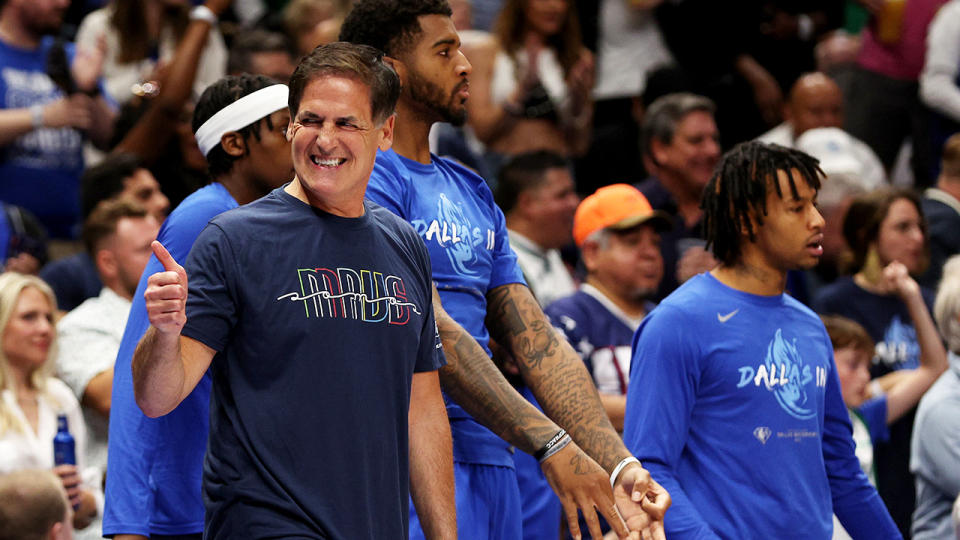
(240, 114)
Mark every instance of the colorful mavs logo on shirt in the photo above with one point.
(899, 348)
(363, 295)
(784, 373)
(453, 231)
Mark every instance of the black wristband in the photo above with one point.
(538, 455)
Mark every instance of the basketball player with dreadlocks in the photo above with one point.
(740, 417)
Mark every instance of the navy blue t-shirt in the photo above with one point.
(888, 322)
(320, 322)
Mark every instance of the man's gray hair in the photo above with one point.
(600, 237)
(661, 118)
(946, 308)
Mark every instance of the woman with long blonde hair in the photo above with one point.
(30, 397)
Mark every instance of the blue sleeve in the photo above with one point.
(874, 413)
(134, 437)
(506, 269)
(664, 376)
(384, 188)
(211, 305)
(132, 441)
(855, 502)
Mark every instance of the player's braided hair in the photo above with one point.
(738, 191)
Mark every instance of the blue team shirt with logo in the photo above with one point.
(452, 210)
(40, 170)
(735, 407)
(885, 318)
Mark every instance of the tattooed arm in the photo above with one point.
(472, 380)
(563, 387)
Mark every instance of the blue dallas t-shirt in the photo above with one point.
(319, 322)
(734, 407)
(156, 464)
(39, 170)
(452, 209)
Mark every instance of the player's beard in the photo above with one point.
(432, 97)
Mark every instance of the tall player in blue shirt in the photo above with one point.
(483, 295)
(740, 415)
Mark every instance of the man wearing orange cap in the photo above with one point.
(618, 234)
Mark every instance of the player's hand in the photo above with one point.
(581, 484)
(642, 502)
(895, 279)
(166, 294)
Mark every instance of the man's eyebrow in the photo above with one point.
(447, 41)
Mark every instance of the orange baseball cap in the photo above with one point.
(617, 206)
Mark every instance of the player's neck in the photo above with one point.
(411, 133)
(751, 276)
(241, 188)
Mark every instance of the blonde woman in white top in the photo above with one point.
(30, 397)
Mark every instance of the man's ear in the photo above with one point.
(106, 263)
(588, 254)
(658, 151)
(525, 200)
(397, 66)
(386, 133)
(233, 144)
(751, 215)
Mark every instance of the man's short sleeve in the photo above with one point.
(506, 269)
(84, 354)
(211, 305)
(384, 187)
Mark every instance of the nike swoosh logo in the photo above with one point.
(725, 318)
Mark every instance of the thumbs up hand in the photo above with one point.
(166, 294)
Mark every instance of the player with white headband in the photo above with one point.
(155, 465)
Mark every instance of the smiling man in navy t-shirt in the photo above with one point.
(312, 308)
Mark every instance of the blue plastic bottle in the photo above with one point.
(64, 447)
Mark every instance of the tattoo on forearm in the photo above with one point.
(471, 379)
(504, 314)
(555, 372)
(580, 464)
(543, 343)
